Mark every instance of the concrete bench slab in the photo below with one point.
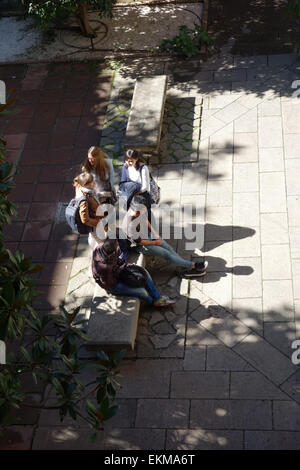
(113, 320)
(146, 115)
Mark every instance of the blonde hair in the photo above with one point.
(101, 166)
(83, 179)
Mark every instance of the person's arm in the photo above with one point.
(85, 215)
(152, 231)
(124, 176)
(145, 178)
(150, 242)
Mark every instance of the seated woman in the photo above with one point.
(106, 267)
(100, 166)
(84, 186)
(144, 239)
(135, 179)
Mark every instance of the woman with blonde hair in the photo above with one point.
(84, 186)
(100, 166)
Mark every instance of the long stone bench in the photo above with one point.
(146, 114)
(113, 319)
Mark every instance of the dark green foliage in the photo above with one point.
(188, 42)
(55, 13)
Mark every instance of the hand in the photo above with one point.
(158, 242)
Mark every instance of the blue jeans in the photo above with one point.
(149, 293)
(164, 251)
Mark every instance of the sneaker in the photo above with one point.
(164, 301)
(201, 266)
(199, 270)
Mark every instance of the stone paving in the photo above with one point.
(215, 371)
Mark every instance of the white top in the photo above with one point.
(140, 176)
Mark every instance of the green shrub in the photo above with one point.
(188, 42)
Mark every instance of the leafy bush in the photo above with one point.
(188, 42)
(54, 13)
(47, 348)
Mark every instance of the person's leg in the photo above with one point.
(138, 292)
(151, 287)
(167, 254)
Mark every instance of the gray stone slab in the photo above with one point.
(245, 177)
(286, 415)
(270, 107)
(247, 122)
(293, 204)
(291, 146)
(113, 319)
(220, 164)
(134, 439)
(276, 262)
(292, 168)
(281, 59)
(197, 335)
(135, 377)
(265, 358)
(295, 241)
(272, 192)
(253, 385)
(245, 146)
(202, 439)
(250, 61)
(247, 280)
(246, 209)
(218, 223)
(272, 440)
(65, 438)
(231, 112)
(194, 358)
(292, 385)
(218, 286)
(249, 311)
(290, 117)
(144, 123)
(230, 75)
(278, 300)
(271, 159)
(219, 193)
(269, 131)
(274, 228)
(222, 138)
(166, 413)
(226, 327)
(194, 384)
(246, 242)
(231, 414)
(281, 335)
(222, 358)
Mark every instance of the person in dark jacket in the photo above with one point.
(107, 265)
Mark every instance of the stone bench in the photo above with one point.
(113, 319)
(146, 114)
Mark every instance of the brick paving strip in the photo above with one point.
(60, 110)
(215, 372)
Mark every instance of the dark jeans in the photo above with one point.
(148, 294)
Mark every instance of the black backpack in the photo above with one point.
(73, 217)
(133, 275)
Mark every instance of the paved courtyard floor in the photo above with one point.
(215, 371)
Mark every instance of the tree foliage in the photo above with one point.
(49, 13)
